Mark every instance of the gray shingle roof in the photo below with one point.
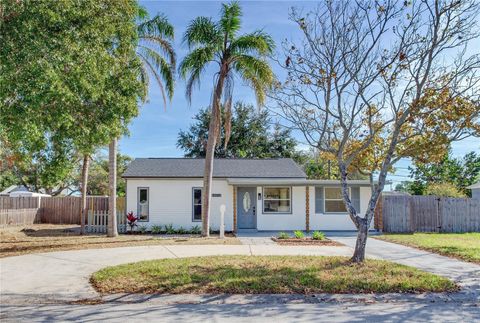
(223, 168)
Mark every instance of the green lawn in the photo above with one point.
(265, 274)
(465, 246)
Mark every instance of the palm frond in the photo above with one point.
(257, 43)
(193, 65)
(158, 26)
(163, 45)
(144, 78)
(230, 21)
(161, 67)
(158, 78)
(202, 31)
(257, 73)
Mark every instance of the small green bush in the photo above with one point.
(283, 235)
(181, 230)
(142, 229)
(299, 234)
(195, 230)
(169, 229)
(156, 229)
(317, 235)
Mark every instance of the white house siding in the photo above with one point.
(170, 201)
(293, 221)
(336, 222)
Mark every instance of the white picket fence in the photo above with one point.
(98, 221)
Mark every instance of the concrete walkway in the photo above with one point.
(464, 273)
(36, 287)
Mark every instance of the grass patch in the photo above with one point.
(266, 274)
(464, 246)
(36, 238)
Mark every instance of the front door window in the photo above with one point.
(247, 201)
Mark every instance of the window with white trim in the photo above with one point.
(142, 203)
(197, 204)
(334, 200)
(277, 200)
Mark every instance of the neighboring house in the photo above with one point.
(20, 191)
(12, 189)
(475, 190)
(259, 194)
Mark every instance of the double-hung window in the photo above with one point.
(277, 200)
(197, 204)
(334, 201)
(142, 203)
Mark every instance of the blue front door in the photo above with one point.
(246, 207)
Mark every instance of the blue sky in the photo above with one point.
(154, 132)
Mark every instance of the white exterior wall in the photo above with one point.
(322, 221)
(294, 221)
(170, 202)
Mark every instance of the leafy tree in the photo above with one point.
(460, 172)
(243, 55)
(71, 79)
(252, 136)
(98, 177)
(384, 81)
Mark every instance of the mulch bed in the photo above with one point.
(306, 242)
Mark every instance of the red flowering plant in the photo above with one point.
(132, 220)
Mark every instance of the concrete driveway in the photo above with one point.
(37, 287)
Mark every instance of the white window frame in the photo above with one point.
(289, 199)
(325, 199)
(193, 203)
(138, 203)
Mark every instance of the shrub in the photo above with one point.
(317, 235)
(142, 228)
(283, 235)
(444, 189)
(181, 230)
(156, 229)
(195, 230)
(169, 229)
(299, 234)
(132, 220)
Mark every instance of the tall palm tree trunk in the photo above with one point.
(112, 188)
(83, 215)
(213, 130)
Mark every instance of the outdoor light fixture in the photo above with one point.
(259, 196)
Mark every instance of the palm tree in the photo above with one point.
(156, 52)
(242, 55)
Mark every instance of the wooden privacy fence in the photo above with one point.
(97, 221)
(22, 202)
(58, 210)
(10, 217)
(406, 214)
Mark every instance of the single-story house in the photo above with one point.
(20, 191)
(259, 194)
(475, 190)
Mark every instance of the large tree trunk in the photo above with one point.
(213, 131)
(86, 160)
(362, 235)
(112, 187)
